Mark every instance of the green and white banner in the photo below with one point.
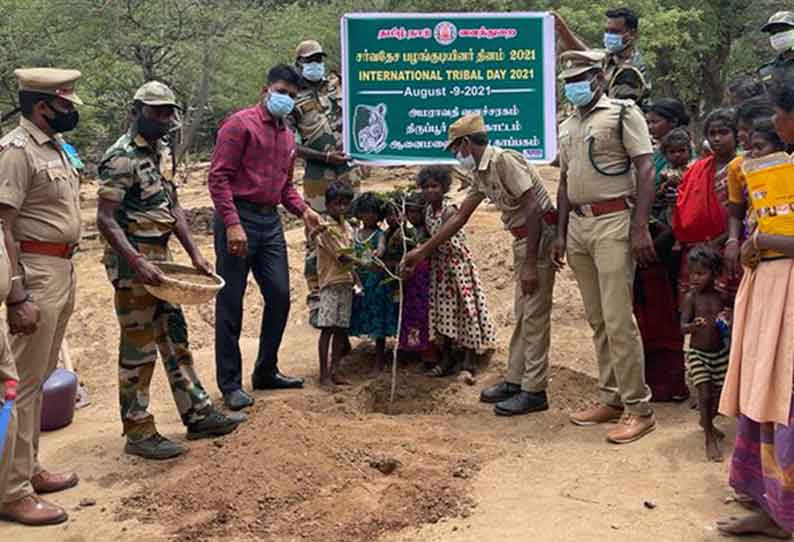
(408, 76)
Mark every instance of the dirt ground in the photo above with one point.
(344, 466)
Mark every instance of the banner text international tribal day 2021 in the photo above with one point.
(407, 77)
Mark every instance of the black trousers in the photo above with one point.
(267, 260)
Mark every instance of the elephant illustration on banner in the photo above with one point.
(370, 128)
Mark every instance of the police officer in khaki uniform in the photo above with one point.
(514, 186)
(317, 122)
(40, 207)
(604, 200)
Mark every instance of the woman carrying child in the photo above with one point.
(655, 302)
(760, 378)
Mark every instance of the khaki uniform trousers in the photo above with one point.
(51, 283)
(599, 252)
(528, 358)
(8, 371)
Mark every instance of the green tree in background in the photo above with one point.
(215, 53)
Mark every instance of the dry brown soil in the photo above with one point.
(345, 466)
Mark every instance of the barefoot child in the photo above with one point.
(374, 312)
(336, 282)
(707, 357)
(459, 314)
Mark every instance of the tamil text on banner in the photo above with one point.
(407, 77)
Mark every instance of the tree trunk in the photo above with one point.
(192, 119)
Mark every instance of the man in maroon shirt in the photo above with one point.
(250, 175)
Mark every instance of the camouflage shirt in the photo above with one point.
(132, 174)
(627, 77)
(318, 113)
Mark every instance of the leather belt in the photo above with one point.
(600, 208)
(550, 217)
(262, 208)
(57, 250)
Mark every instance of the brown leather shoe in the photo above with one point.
(597, 415)
(33, 510)
(631, 427)
(51, 482)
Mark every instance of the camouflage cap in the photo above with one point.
(156, 93)
(308, 48)
(53, 81)
(782, 20)
(578, 62)
(472, 123)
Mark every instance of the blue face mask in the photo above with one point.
(580, 93)
(613, 42)
(314, 71)
(279, 105)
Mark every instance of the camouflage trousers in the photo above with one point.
(149, 324)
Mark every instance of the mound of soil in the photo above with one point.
(295, 474)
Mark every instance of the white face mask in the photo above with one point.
(782, 41)
(466, 162)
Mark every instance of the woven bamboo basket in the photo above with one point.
(185, 285)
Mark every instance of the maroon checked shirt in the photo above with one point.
(253, 160)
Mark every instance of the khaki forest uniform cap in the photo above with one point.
(782, 20)
(155, 93)
(464, 126)
(308, 48)
(53, 81)
(578, 62)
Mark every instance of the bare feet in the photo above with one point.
(758, 523)
(714, 446)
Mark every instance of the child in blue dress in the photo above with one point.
(374, 311)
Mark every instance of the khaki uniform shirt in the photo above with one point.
(38, 180)
(600, 128)
(503, 176)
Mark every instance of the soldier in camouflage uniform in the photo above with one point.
(138, 211)
(317, 122)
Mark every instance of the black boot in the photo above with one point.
(214, 425)
(276, 381)
(499, 392)
(522, 403)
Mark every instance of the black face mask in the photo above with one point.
(63, 122)
(152, 130)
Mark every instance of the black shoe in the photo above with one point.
(499, 392)
(277, 381)
(237, 400)
(214, 425)
(522, 403)
(154, 447)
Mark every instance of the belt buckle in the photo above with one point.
(585, 210)
(71, 250)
